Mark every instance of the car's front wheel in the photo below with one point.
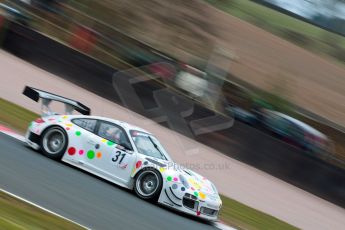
(148, 184)
(54, 142)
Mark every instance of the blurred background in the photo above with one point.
(276, 66)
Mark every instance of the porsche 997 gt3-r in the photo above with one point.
(121, 153)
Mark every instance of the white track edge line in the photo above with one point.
(42, 208)
(222, 226)
(14, 135)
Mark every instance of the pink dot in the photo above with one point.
(67, 128)
(81, 152)
(175, 179)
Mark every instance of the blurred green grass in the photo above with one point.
(296, 31)
(14, 116)
(243, 217)
(16, 214)
(13, 213)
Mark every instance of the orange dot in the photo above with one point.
(99, 155)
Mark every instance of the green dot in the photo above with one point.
(169, 178)
(90, 154)
(78, 133)
(110, 143)
(196, 193)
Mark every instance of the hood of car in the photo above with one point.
(193, 182)
(196, 182)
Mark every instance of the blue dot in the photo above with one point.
(183, 189)
(174, 186)
(145, 163)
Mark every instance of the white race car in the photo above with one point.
(121, 153)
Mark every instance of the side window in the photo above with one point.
(113, 133)
(88, 124)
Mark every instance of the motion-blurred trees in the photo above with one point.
(177, 25)
(328, 17)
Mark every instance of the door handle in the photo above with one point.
(91, 142)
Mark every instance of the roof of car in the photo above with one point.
(301, 124)
(118, 122)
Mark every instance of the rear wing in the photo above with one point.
(47, 98)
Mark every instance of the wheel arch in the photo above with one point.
(50, 126)
(135, 175)
(161, 186)
(41, 132)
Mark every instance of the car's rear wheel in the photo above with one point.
(54, 142)
(148, 184)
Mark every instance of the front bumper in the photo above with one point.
(190, 204)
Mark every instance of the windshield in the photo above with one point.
(148, 145)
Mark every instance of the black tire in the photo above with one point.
(54, 142)
(148, 184)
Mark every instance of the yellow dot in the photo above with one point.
(99, 155)
(104, 140)
(64, 117)
(162, 169)
(202, 195)
(69, 125)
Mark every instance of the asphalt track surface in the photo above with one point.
(80, 196)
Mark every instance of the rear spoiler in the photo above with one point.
(47, 98)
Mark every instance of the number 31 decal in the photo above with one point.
(119, 156)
